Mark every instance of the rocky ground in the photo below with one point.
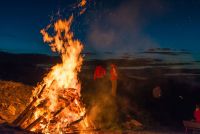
(13, 100)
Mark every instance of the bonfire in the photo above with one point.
(56, 105)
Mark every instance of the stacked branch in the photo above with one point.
(28, 110)
(67, 99)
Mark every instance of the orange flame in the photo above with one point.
(82, 3)
(56, 100)
(70, 50)
(61, 83)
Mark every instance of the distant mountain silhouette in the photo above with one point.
(31, 68)
(28, 58)
(24, 67)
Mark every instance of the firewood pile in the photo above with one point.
(68, 100)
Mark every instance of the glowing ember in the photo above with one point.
(82, 3)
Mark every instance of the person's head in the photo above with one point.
(197, 106)
(112, 65)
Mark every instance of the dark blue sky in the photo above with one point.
(107, 25)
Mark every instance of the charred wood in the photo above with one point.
(29, 127)
(19, 120)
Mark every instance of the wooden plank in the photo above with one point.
(34, 123)
(19, 120)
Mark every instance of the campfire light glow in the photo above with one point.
(56, 105)
(57, 102)
(61, 82)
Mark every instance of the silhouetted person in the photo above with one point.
(99, 72)
(100, 79)
(197, 113)
(104, 108)
(113, 78)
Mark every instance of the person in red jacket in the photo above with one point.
(99, 79)
(99, 72)
(197, 113)
(113, 78)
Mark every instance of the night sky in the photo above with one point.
(116, 26)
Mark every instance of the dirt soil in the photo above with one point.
(14, 97)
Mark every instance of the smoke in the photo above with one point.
(103, 111)
(121, 29)
(103, 107)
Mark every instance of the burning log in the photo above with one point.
(23, 116)
(19, 120)
(66, 96)
(34, 123)
(29, 114)
(60, 110)
(77, 121)
(29, 127)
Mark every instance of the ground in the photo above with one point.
(13, 100)
(15, 97)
